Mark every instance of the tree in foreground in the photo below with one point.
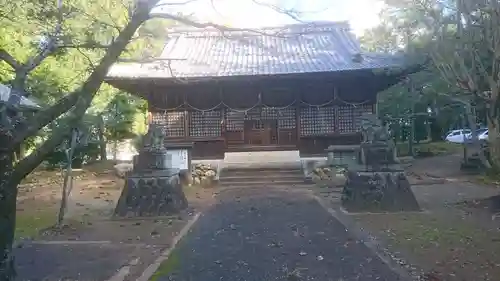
(15, 128)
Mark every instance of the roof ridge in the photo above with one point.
(289, 29)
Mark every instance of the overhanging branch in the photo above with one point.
(90, 45)
(89, 88)
(196, 24)
(30, 162)
(9, 59)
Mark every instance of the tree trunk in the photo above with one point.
(79, 100)
(8, 195)
(494, 142)
(68, 178)
(115, 150)
(102, 140)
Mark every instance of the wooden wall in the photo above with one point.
(310, 116)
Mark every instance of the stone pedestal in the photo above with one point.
(342, 155)
(153, 188)
(156, 193)
(376, 182)
(377, 155)
(387, 191)
(154, 159)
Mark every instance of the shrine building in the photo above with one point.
(296, 87)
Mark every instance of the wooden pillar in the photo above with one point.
(223, 119)
(336, 109)
(297, 116)
(337, 118)
(187, 116)
(149, 119)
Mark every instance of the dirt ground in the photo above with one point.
(95, 192)
(456, 238)
(88, 231)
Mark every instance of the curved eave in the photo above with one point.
(391, 76)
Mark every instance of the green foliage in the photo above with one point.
(82, 155)
(87, 147)
(122, 117)
(428, 149)
(410, 26)
(25, 24)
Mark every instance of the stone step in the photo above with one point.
(257, 157)
(262, 176)
(332, 194)
(263, 183)
(262, 167)
(260, 173)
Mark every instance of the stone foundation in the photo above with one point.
(378, 192)
(157, 193)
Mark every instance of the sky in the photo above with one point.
(361, 14)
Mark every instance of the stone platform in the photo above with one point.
(381, 191)
(155, 193)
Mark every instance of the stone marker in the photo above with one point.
(376, 182)
(153, 188)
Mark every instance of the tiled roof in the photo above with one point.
(299, 48)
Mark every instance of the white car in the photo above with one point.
(482, 134)
(458, 136)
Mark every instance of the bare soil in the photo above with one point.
(96, 190)
(456, 238)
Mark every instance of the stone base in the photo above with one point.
(377, 154)
(158, 193)
(378, 192)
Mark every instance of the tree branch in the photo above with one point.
(9, 59)
(195, 24)
(78, 98)
(89, 45)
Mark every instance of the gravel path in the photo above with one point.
(274, 235)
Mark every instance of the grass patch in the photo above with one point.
(421, 232)
(32, 219)
(427, 149)
(488, 179)
(168, 266)
(455, 248)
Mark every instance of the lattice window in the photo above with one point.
(235, 121)
(345, 119)
(205, 124)
(317, 121)
(287, 119)
(253, 114)
(358, 111)
(173, 122)
(269, 113)
(349, 117)
(284, 116)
